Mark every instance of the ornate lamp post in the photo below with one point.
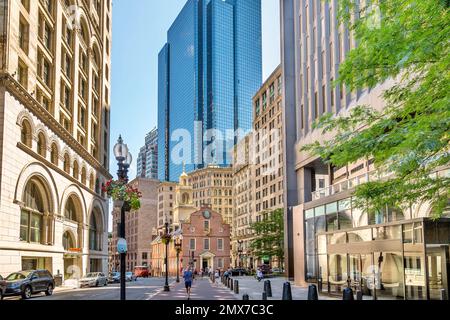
(178, 248)
(166, 239)
(124, 159)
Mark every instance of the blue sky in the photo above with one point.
(139, 32)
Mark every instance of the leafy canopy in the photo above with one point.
(269, 240)
(406, 41)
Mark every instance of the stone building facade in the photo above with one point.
(166, 203)
(394, 253)
(258, 171)
(140, 226)
(213, 186)
(54, 136)
(205, 239)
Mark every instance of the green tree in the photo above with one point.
(407, 42)
(269, 240)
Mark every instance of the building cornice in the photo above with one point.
(43, 115)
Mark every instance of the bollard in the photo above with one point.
(347, 294)
(268, 288)
(245, 297)
(287, 293)
(359, 295)
(236, 286)
(231, 285)
(228, 282)
(312, 293)
(264, 295)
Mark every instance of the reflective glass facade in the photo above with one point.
(213, 63)
(386, 255)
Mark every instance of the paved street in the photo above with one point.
(143, 289)
(250, 286)
(202, 289)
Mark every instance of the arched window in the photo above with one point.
(91, 181)
(42, 145)
(94, 232)
(68, 242)
(70, 211)
(76, 170)
(97, 186)
(67, 163)
(31, 218)
(83, 175)
(54, 155)
(25, 136)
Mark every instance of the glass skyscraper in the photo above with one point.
(209, 70)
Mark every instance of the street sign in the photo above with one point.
(122, 246)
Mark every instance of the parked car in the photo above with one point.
(2, 287)
(27, 283)
(129, 276)
(141, 272)
(94, 279)
(239, 272)
(114, 277)
(277, 270)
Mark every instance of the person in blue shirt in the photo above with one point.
(188, 275)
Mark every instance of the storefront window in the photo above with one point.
(338, 272)
(320, 220)
(437, 275)
(415, 277)
(345, 215)
(322, 276)
(387, 233)
(322, 244)
(359, 217)
(390, 275)
(332, 219)
(337, 238)
(360, 235)
(413, 233)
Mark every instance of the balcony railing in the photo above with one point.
(374, 175)
(349, 184)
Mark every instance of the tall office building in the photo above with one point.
(54, 136)
(147, 161)
(209, 70)
(394, 253)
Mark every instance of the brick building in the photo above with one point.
(205, 243)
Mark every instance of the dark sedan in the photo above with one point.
(2, 287)
(27, 283)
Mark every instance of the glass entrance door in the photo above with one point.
(438, 264)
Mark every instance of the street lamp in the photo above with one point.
(166, 237)
(124, 159)
(178, 246)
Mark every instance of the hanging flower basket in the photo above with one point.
(119, 190)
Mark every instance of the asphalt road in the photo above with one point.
(142, 289)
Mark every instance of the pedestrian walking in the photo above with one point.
(188, 275)
(259, 275)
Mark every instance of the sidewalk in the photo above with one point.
(202, 289)
(250, 286)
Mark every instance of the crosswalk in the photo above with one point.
(202, 289)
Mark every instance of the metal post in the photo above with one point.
(178, 266)
(123, 256)
(166, 286)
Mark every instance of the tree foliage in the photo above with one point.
(269, 240)
(406, 41)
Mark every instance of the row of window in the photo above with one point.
(206, 244)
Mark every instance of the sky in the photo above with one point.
(138, 34)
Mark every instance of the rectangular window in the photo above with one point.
(205, 244)
(220, 244)
(206, 223)
(192, 244)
